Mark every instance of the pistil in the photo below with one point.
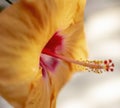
(95, 66)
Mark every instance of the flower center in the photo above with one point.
(48, 62)
(49, 58)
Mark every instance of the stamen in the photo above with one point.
(95, 66)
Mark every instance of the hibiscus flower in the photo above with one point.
(42, 43)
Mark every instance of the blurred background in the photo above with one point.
(90, 90)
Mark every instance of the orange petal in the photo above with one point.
(68, 12)
(25, 28)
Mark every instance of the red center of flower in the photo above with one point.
(50, 57)
(47, 62)
(55, 43)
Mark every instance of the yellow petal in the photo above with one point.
(75, 44)
(74, 40)
(40, 93)
(69, 12)
(75, 48)
(25, 28)
(23, 34)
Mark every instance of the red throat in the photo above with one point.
(48, 62)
